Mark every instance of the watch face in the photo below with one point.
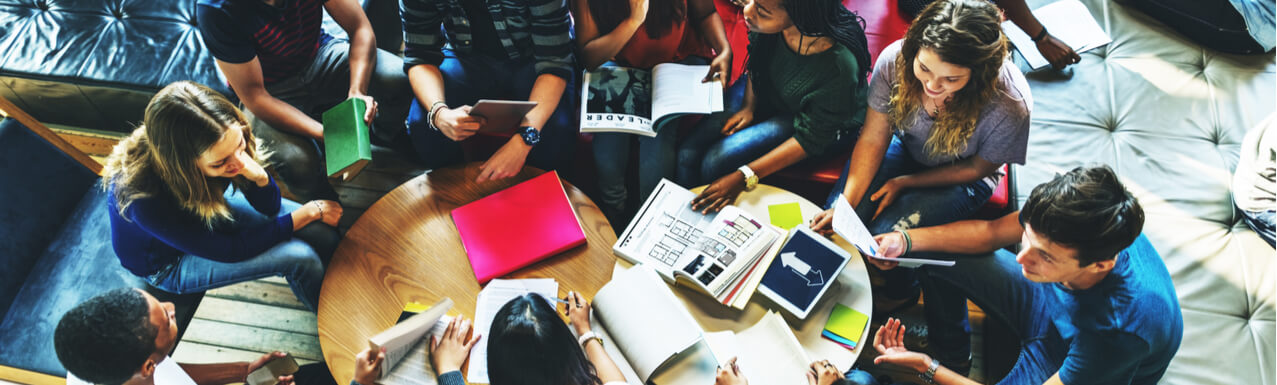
(530, 136)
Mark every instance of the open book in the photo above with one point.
(654, 340)
(405, 343)
(635, 101)
(718, 254)
(1067, 20)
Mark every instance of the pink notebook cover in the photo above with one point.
(518, 226)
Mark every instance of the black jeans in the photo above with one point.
(1213, 24)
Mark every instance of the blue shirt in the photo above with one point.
(1126, 328)
(155, 231)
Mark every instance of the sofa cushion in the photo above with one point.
(65, 56)
(34, 201)
(1168, 116)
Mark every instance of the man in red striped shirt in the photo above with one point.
(287, 71)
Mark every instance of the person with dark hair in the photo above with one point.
(1056, 51)
(125, 336)
(528, 345)
(1088, 295)
(496, 49)
(804, 98)
(287, 71)
(946, 111)
(192, 208)
(641, 34)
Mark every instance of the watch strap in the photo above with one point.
(590, 335)
(930, 375)
(751, 179)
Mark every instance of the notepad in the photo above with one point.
(845, 325)
(785, 215)
(518, 226)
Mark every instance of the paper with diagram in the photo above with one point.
(715, 253)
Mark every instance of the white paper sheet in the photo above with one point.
(1067, 20)
(848, 225)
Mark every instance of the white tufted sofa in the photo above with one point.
(1168, 116)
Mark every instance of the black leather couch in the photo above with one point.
(96, 63)
(55, 249)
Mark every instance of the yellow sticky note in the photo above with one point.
(785, 215)
(847, 322)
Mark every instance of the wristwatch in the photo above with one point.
(530, 135)
(590, 335)
(751, 179)
(930, 375)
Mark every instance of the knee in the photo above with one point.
(299, 255)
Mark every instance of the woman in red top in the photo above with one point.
(631, 33)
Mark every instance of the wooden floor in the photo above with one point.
(243, 321)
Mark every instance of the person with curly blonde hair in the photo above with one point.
(193, 209)
(946, 111)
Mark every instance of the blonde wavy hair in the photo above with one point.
(181, 122)
(966, 33)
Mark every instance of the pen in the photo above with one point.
(560, 300)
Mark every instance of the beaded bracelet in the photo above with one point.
(908, 241)
(321, 210)
(434, 109)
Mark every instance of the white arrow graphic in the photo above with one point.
(790, 260)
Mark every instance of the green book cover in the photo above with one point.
(346, 144)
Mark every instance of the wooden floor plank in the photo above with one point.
(257, 315)
(252, 339)
(259, 292)
(197, 353)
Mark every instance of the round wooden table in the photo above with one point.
(405, 248)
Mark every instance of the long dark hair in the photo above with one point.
(662, 15)
(529, 345)
(830, 18)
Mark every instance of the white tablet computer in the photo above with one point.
(501, 115)
(808, 264)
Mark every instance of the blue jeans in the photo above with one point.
(1262, 222)
(467, 79)
(300, 260)
(994, 283)
(655, 156)
(920, 208)
(706, 154)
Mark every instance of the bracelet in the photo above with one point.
(1040, 36)
(585, 338)
(321, 210)
(930, 374)
(908, 241)
(434, 109)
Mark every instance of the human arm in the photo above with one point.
(423, 53)
(1055, 51)
(724, 190)
(578, 312)
(231, 372)
(596, 48)
(712, 31)
(246, 79)
(964, 171)
(363, 49)
(449, 352)
(972, 236)
(890, 343)
(552, 51)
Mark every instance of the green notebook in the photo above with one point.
(346, 144)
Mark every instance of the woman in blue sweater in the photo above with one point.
(193, 209)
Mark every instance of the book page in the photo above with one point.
(491, 299)
(415, 368)
(665, 231)
(649, 325)
(848, 226)
(399, 339)
(610, 346)
(677, 88)
(770, 354)
(735, 242)
(1067, 20)
(617, 99)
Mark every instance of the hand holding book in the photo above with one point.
(449, 352)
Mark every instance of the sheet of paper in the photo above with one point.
(677, 88)
(770, 354)
(649, 324)
(491, 299)
(415, 368)
(785, 215)
(1067, 20)
(848, 225)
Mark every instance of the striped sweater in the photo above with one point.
(284, 39)
(527, 28)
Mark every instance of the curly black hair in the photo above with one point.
(107, 338)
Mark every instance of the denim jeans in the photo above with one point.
(655, 156)
(467, 79)
(300, 260)
(298, 159)
(914, 208)
(1262, 222)
(706, 154)
(994, 283)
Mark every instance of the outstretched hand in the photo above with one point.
(890, 343)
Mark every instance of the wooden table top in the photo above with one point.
(405, 248)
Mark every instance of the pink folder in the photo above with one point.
(518, 226)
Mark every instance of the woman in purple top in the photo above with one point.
(946, 111)
(193, 209)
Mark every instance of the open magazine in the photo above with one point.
(654, 340)
(636, 101)
(407, 360)
(718, 254)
